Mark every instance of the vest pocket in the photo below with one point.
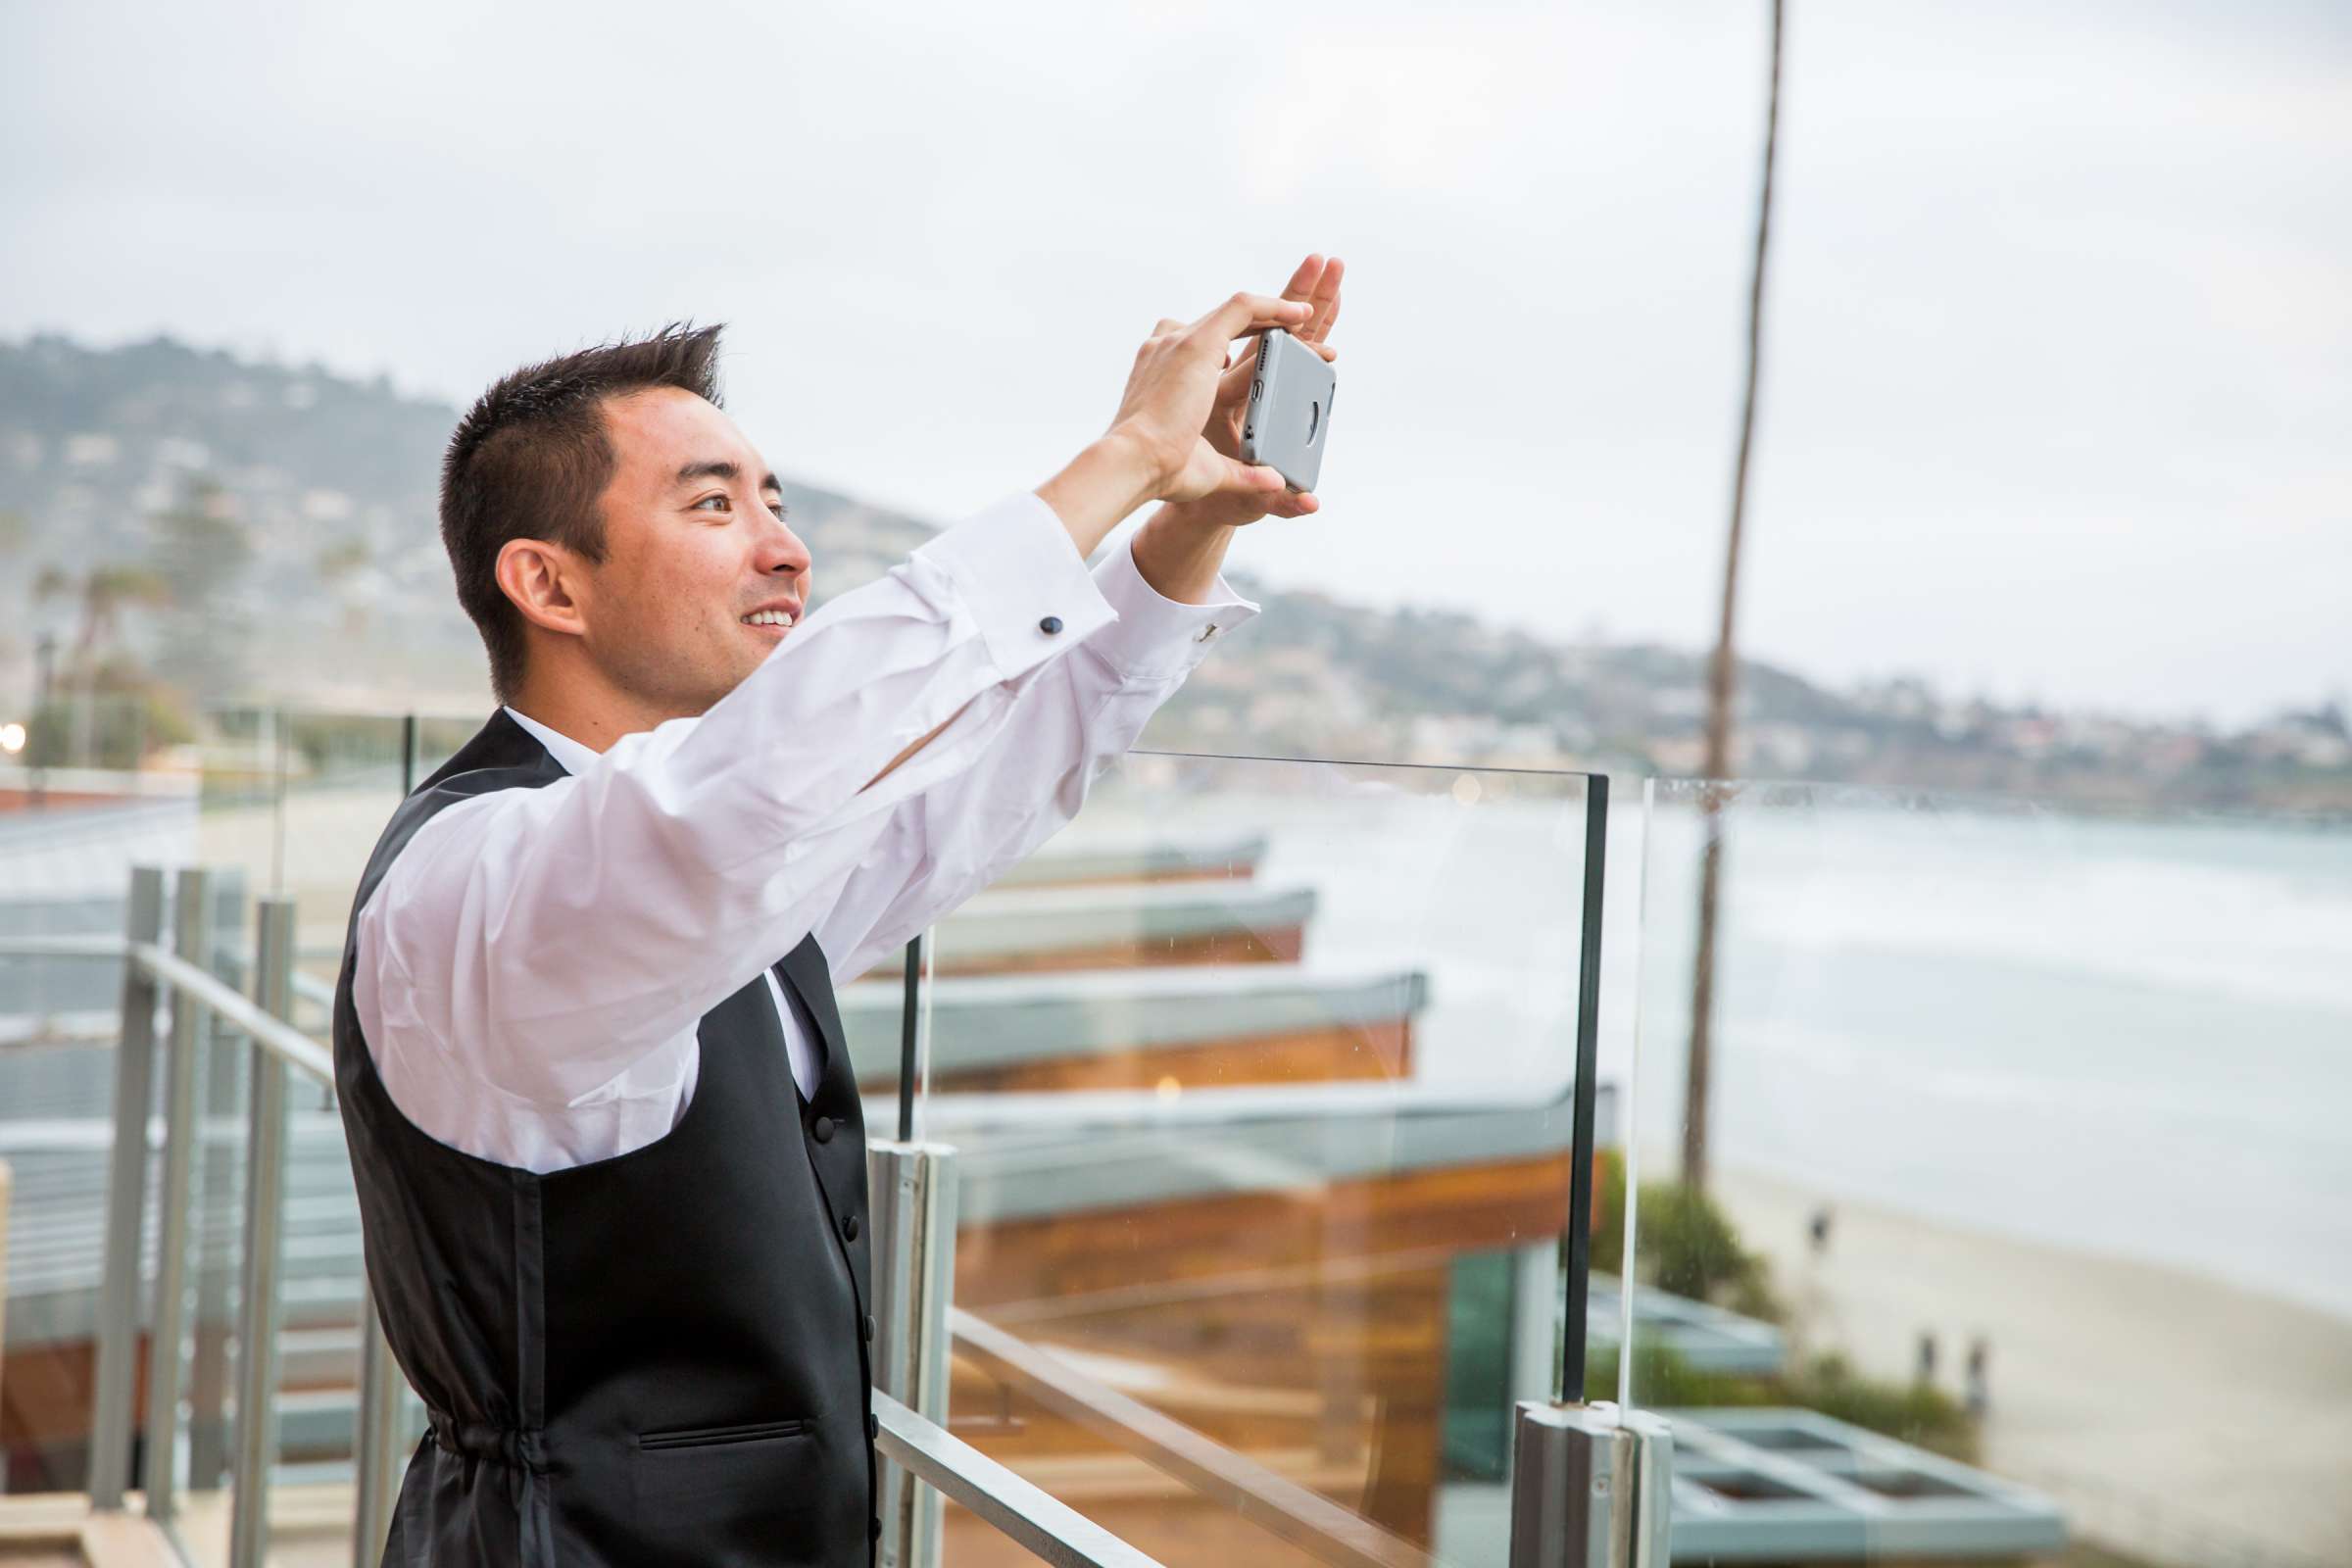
(715, 1437)
(756, 1492)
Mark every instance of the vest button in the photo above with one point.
(823, 1127)
(873, 1427)
(869, 1328)
(849, 1227)
(873, 1530)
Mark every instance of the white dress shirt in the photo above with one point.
(532, 968)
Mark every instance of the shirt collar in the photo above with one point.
(570, 754)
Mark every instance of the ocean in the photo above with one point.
(2127, 1036)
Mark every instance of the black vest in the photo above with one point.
(657, 1358)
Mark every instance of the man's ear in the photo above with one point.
(546, 584)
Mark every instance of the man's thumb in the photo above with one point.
(1252, 476)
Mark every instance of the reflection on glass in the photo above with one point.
(269, 799)
(2026, 1166)
(95, 784)
(1259, 1075)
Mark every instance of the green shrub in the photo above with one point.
(1913, 1413)
(1608, 1218)
(1686, 1245)
(1916, 1412)
(125, 721)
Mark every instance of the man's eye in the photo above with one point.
(779, 509)
(716, 502)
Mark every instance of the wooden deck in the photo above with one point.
(57, 1529)
(310, 1526)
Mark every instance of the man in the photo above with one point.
(607, 1146)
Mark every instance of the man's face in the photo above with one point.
(700, 571)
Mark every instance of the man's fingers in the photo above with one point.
(1326, 302)
(1250, 313)
(1167, 324)
(1301, 286)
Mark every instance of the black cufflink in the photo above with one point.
(1050, 625)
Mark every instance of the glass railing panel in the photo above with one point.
(294, 801)
(2024, 1230)
(1260, 1080)
(90, 785)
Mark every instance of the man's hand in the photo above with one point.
(1316, 283)
(1172, 393)
(1159, 445)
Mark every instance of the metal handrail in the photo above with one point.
(266, 1030)
(1304, 1518)
(215, 995)
(1029, 1515)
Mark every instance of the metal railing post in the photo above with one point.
(192, 940)
(376, 1442)
(216, 1170)
(1590, 1487)
(912, 1197)
(110, 1410)
(260, 1311)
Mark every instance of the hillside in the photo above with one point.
(224, 529)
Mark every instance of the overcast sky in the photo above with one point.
(2058, 399)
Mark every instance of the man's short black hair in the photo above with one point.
(532, 457)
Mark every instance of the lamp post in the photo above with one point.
(36, 749)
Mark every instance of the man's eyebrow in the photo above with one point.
(723, 469)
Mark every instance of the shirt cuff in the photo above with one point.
(1019, 573)
(1155, 637)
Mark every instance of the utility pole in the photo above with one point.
(1720, 680)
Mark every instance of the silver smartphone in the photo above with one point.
(1289, 420)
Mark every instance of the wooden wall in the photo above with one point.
(1305, 1330)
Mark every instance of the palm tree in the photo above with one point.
(1720, 673)
(103, 592)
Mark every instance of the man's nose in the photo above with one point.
(781, 553)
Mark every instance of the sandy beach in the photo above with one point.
(2174, 1416)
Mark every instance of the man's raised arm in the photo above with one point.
(544, 940)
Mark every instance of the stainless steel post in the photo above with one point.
(912, 1196)
(258, 1312)
(1590, 1487)
(125, 1204)
(376, 1443)
(222, 1077)
(192, 940)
